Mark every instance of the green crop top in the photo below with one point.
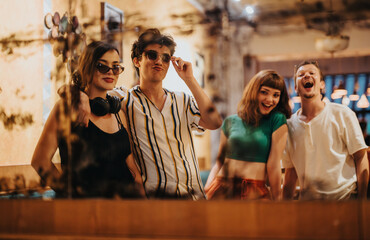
(249, 143)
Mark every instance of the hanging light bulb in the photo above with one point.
(296, 99)
(340, 90)
(368, 90)
(335, 95)
(291, 104)
(345, 101)
(363, 102)
(354, 96)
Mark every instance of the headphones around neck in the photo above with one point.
(100, 106)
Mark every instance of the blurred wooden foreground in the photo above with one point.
(125, 219)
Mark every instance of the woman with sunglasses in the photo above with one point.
(252, 143)
(96, 160)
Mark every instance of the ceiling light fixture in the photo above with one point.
(354, 96)
(249, 10)
(340, 89)
(363, 102)
(296, 99)
(332, 43)
(335, 96)
(345, 100)
(368, 89)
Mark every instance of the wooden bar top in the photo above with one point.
(180, 219)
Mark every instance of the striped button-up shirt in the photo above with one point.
(163, 144)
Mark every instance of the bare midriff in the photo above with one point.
(242, 169)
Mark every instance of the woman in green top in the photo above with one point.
(252, 142)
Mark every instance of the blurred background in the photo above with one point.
(228, 41)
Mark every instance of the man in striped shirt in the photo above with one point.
(160, 122)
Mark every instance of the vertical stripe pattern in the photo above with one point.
(163, 143)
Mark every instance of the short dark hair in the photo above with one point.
(151, 36)
(307, 62)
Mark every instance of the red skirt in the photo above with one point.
(237, 188)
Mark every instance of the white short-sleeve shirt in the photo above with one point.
(321, 151)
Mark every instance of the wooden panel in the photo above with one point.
(365, 226)
(185, 219)
(344, 65)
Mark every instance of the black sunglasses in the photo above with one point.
(117, 69)
(153, 55)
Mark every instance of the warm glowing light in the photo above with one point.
(291, 104)
(249, 9)
(332, 43)
(340, 92)
(297, 99)
(354, 97)
(363, 102)
(335, 95)
(346, 101)
(340, 89)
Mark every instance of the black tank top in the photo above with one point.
(98, 163)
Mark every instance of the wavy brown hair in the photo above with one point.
(87, 62)
(248, 109)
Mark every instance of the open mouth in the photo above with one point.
(266, 106)
(308, 85)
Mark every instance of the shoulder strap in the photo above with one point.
(119, 121)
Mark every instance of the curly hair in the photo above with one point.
(248, 109)
(151, 36)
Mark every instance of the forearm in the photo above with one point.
(362, 172)
(135, 174)
(278, 141)
(274, 176)
(120, 92)
(210, 117)
(47, 170)
(212, 174)
(139, 184)
(290, 181)
(45, 149)
(140, 187)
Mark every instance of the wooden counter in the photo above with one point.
(149, 219)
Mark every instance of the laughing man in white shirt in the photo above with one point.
(326, 150)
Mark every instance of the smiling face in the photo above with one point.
(308, 82)
(106, 81)
(153, 70)
(268, 99)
